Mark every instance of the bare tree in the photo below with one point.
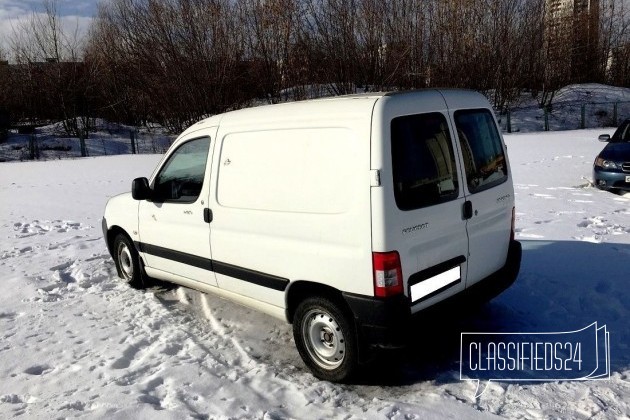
(56, 81)
(182, 59)
(175, 61)
(331, 24)
(515, 30)
(614, 54)
(5, 91)
(271, 32)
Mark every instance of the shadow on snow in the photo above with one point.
(562, 286)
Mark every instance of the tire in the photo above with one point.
(128, 262)
(326, 340)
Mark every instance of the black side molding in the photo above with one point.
(251, 276)
(177, 256)
(262, 279)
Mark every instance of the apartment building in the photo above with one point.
(572, 37)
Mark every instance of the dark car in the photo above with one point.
(611, 170)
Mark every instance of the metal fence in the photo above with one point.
(49, 146)
(565, 116)
(118, 141)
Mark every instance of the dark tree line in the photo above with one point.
(175, 61)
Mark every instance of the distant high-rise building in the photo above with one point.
(572, 37)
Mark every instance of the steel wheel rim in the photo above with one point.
(125, 261)
(324, 339)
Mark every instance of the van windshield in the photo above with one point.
(482, 150)
(423, 161)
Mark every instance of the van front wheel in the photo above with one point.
(127, 261)
(325, 339)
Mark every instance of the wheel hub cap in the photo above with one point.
(324, 339)
(125, 261)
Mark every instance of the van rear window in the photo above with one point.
(423, 161)
(482, 150)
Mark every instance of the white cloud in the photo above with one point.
(73, 14)
(12, 27)
(15, 8)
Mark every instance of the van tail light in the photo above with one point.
(388, 280)
(513, 224)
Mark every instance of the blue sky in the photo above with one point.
(72, 12)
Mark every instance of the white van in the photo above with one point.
(343, 216)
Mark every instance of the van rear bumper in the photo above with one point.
(382, 323)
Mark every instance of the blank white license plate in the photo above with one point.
(627, 178)
(435, 283)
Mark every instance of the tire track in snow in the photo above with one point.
(268, 379)
(216, 326)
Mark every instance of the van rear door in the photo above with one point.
(489, 195)
(420, 197)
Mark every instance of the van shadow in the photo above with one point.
(562, 286)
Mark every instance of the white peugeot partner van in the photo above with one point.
(343, 216)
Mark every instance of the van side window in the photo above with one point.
(181, 178)
(423, 161)
(482, 150)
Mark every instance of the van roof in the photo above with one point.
(333, 107)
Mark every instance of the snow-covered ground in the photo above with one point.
(75, 342)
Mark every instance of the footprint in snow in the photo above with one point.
(8, 315)
(37, 370)
(77, 406)
(129, 355)
(41, 227)
(11, 399)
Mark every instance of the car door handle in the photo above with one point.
(468, 210)
(207, 215)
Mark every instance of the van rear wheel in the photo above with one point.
(325, 338)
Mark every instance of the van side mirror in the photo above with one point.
(140, 189)
(604, 137)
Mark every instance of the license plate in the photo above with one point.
(438, 282)
(628, 179)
